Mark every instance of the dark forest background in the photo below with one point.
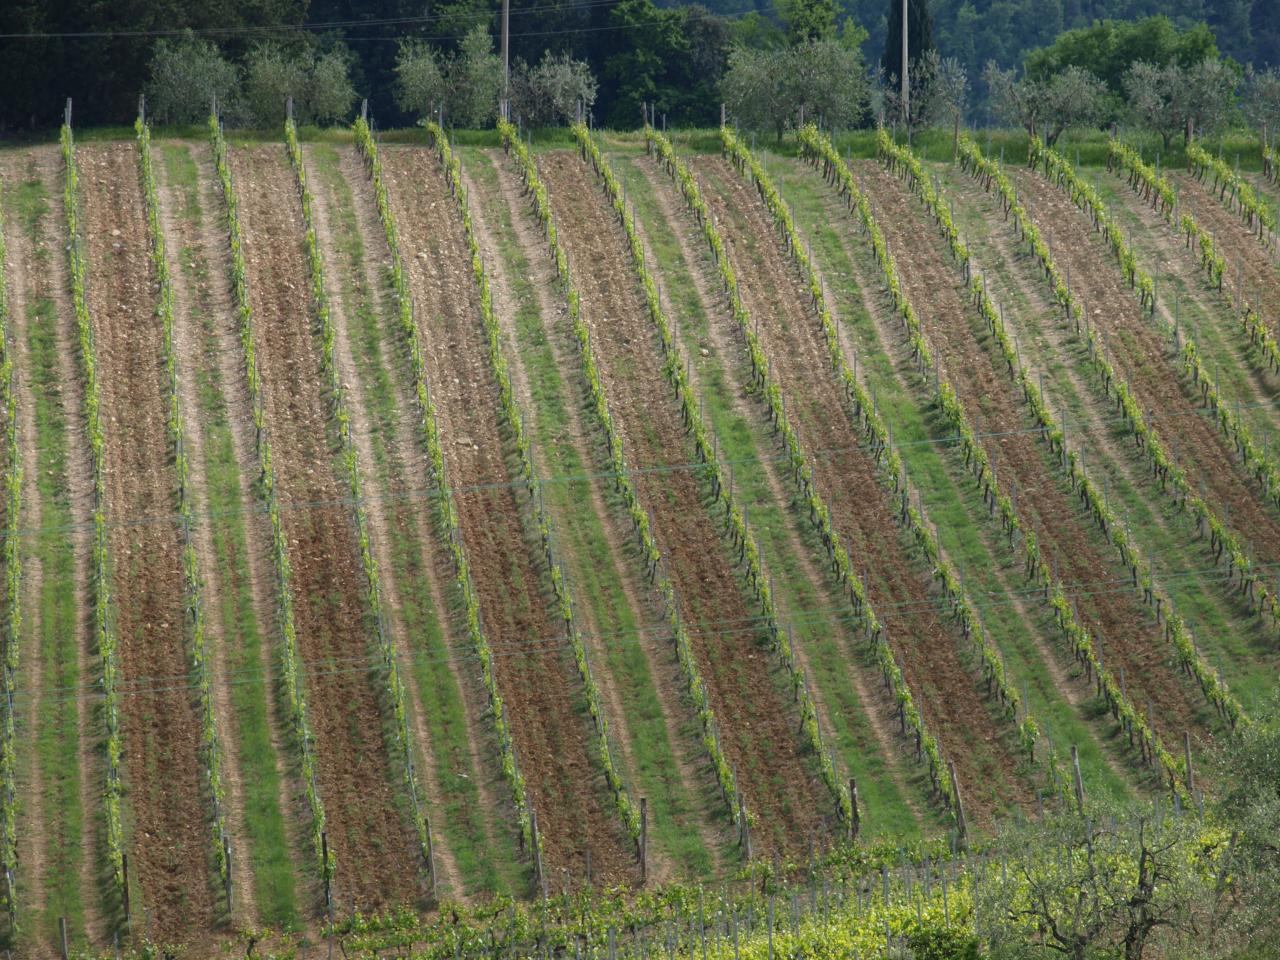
(670, 54)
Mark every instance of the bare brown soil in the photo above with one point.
(900, 589)
(205, 344)
(375, 846)
(1248, 260)
(26, 286)
(757, 726)
(727, 346)
(538, 680)
(693, 768)
(354, 287)
(889, 334)
(54, 282)
(1123, 625)
(170, 852)
(1148, 362)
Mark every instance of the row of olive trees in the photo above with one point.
(188, 75)
(465, 87)
(1171, 100)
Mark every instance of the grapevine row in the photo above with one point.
(186, 514)
(909, 713)
(914, 519)
(802, 474)
(1083, 649)
(1252, 455)
(12, 558)
(1176, 629)
(1252, 210)
(640, 518)
(104, 628)
(290, 660)
(1147, 181)
(448, 509)
(515, 422)
(350, 460)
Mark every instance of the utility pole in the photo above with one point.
(906, 88)
(506, 60)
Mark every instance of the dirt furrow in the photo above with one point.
(373, 843)
(889, 335)
(1109, 448)
(1148, 362)
(59, 332)
(393, 515)
(900, 590)
(727, 342)
(161, 727)
(206, 348)
(538, 679)
(693, 772)
(1122, 624)
(1248, 261)
(756, 724)
(27, 286)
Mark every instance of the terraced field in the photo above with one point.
(396, 525)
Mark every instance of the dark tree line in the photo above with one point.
(671, 54)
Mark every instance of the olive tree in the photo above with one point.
(551, 91)
(319, 85)
(465, 84)
(1174, 99)
(1102, 885)
(774, 89)
(1260, 99)
(1074, 97)
(186, 76)
(421, 85)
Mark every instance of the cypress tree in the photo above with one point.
(919, 39)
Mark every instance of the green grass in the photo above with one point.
(486, 859)
(1229, 634)
(1207, 315)
(271, 868)
(817, 611)
(971, 539)
(596, 580)
(56, 740)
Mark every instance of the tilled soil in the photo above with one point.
(757, 726)
(396, 513)
(1123, 625)
(1058, 675)
(1237, 242)
(900, 590)
(1148, 362)
(729, 347)
(694, 773)
(203, 299)
(171, 842)
(375, 846)
(536, 674)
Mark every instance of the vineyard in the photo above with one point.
(646, 544)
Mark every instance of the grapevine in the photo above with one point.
(730, 790)
(186, 514)
(350, 460)
(104, 628)
(290, 658)
(1176, 629)
(449, 517)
